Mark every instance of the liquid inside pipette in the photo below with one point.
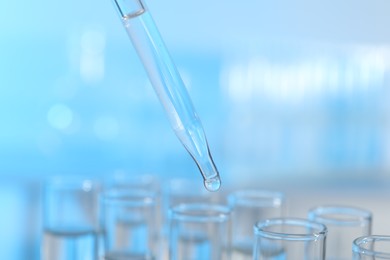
(169, 87)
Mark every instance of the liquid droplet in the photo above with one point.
(213, 184)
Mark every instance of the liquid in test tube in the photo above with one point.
(169, 86)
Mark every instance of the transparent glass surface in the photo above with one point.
(249, 207)
(290, 239)
(122, 180)
(129, 220)
(70, 227)
(344, 223)
(200, 232)
(169, 86)
(179, 191)
(371, 247)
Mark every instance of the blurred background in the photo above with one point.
(293, 95)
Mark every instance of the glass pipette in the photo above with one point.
(169, 86)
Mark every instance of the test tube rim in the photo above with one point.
(182, 212)
(357, 245)
(71, 182)
(360, 217)
(256, 198)
(260, 229)
(129, 197)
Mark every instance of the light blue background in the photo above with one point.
(292, 89)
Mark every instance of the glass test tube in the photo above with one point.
(169, 86)
(71, 226)
(182, 191)
(249, 207)
(200, 231)
(131, 183)
(129, 220)
(344, 224)
(371, 247)
(289, 238)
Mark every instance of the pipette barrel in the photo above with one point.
(169, 86)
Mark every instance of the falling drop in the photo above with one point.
(213, 184)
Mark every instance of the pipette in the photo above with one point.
(169, 86)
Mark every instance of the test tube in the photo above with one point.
(128, 219)
(182, 191)
(249, 207)
(200, 231)
(371, 247)
(289, 238)
(70, 219)
(169, 86)
(344, 223)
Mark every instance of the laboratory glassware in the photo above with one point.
(289, 239)
(70, 219)
(128, 220)
(344, 223)
(372, 247)
(200, 231)
(122, 180)
(178, 191)
(249, 207)
(169, 86)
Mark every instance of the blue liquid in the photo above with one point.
(123, 255)
(72, 244)
(172, 92)
(193, 247)
(271, 253)
(132, 235)
(242, 250)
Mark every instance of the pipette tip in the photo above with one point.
(212, 184)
